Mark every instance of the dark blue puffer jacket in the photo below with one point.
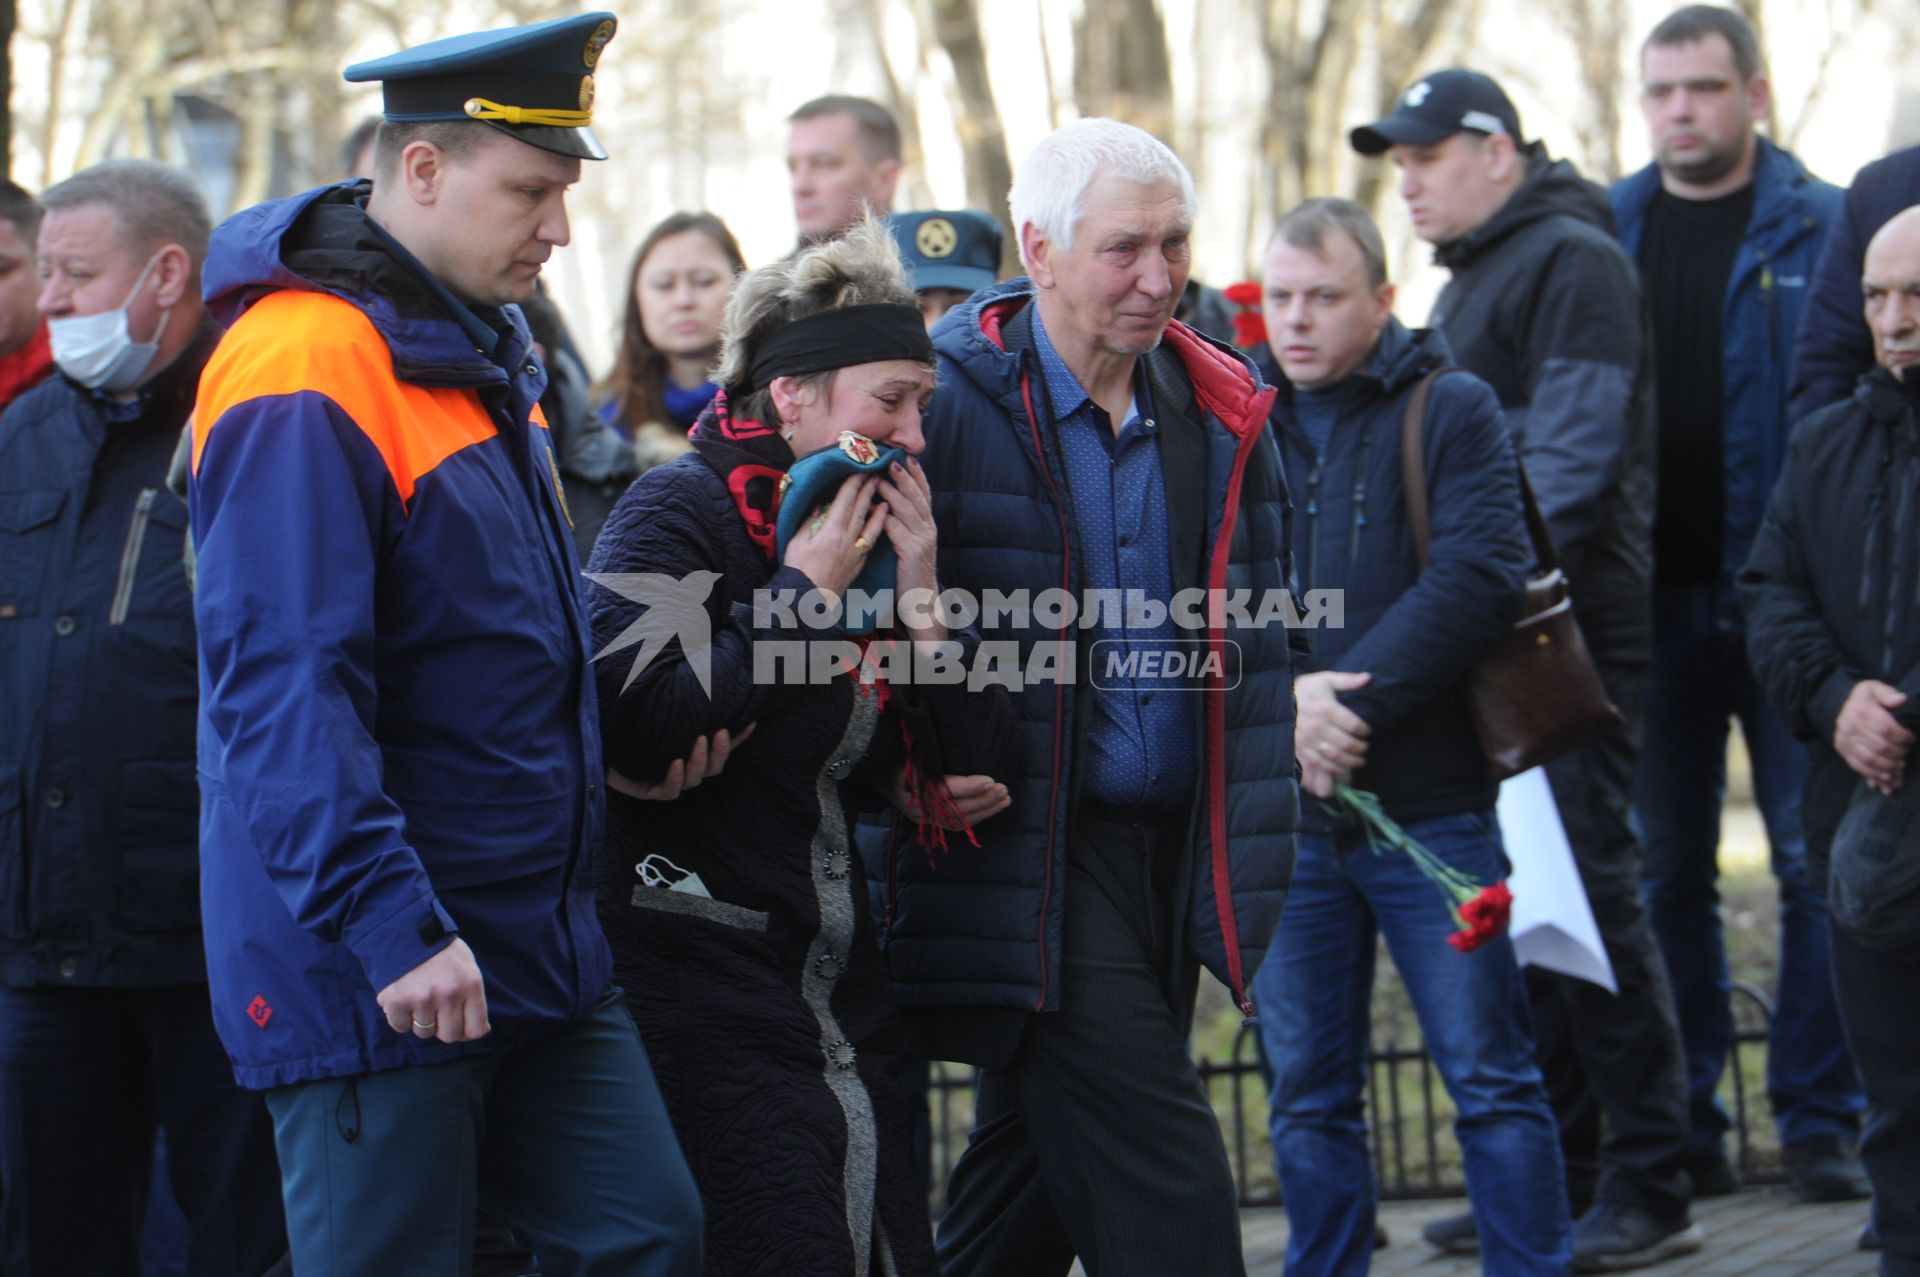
(983, 927)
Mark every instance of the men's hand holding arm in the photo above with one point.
(1329, 740)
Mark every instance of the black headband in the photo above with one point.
(841, 338)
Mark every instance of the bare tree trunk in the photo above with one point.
(1121, 67)
(56, 86)
(253, 166)
(9, 20)
(1756, 14)
(1598, 27)
(983, 140)
(913, 155)
(1302, 129)
(1046, 69)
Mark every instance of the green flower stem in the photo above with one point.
(1455, 887)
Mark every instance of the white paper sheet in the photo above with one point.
(1552, 922)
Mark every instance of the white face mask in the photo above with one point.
(99, 351)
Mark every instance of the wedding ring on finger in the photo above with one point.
(426, 1027)
(861, 545)
(1326, 750)
(819, 521)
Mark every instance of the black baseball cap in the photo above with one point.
(1436, 108)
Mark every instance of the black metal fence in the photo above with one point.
(1409, 1117)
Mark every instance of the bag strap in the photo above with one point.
(1413, 466)
(1413, 482)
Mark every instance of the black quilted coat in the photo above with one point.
(764, 1004)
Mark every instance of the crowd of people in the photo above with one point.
(460, 814)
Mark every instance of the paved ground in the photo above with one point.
(1761, 1232)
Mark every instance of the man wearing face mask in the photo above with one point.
(106, 1032)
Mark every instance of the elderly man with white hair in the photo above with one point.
(1085, 448)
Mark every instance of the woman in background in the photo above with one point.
(677, 291)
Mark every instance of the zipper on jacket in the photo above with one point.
(130, 556)
(1313, 516)
(1359, 523)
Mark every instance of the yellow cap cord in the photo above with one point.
(482, 109)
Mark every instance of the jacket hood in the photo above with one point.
(1888, 400)
(972, 338)
(323, 241)
(1552, 188)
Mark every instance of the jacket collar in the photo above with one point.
(322, 241)
(1779, 198)
(1401, 357)
(168, 397)
(976, 336)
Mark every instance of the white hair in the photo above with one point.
(1050, 188)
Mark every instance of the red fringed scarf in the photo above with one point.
(752, 458)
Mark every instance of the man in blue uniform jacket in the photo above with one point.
(398, 739)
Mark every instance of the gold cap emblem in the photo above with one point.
(586, 93)
(596, 42)
(936, 238)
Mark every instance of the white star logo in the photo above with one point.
(674, 607)
(1417, 94)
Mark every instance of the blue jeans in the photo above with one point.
(1699, 681)
(1314, 992)
(563, 1138)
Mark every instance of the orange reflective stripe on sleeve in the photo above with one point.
(294, 341)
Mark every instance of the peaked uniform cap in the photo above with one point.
(948, 248)
(533, 83)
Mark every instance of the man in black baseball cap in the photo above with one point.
(1544, 307)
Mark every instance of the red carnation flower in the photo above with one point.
(1244, 293)
(1483, 917)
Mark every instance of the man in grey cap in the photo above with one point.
(399, 744)
(1544, 307)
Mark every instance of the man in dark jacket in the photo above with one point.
(1726, 227)
(1544, 307)
(399, 743)
(105, 1029)
(1082, 443)
(1833, 627)
(1832, 350)
(1380, 708)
